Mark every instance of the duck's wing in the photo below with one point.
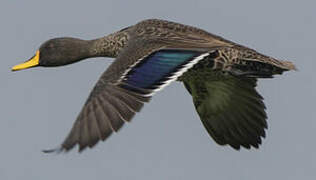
(230, 109)
(139, 71)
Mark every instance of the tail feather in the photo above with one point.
(257, 69)
(288, 65)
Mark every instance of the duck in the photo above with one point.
(220, 75)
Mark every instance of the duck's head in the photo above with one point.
(58, 52)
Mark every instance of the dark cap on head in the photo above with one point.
(58, 52)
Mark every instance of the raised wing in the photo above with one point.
(230, 109)
(124, 87)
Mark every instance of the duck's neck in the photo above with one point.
(108, 46)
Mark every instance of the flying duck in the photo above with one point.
(220, 75)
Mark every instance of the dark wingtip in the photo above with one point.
(256, 145)
(236, 147)
(81, 149)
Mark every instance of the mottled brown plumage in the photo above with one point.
(220, 75)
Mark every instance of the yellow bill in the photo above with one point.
(34, 61)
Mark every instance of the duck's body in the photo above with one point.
(219, 74)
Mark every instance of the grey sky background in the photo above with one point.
(166, 140)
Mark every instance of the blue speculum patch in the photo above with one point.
(158, 67)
